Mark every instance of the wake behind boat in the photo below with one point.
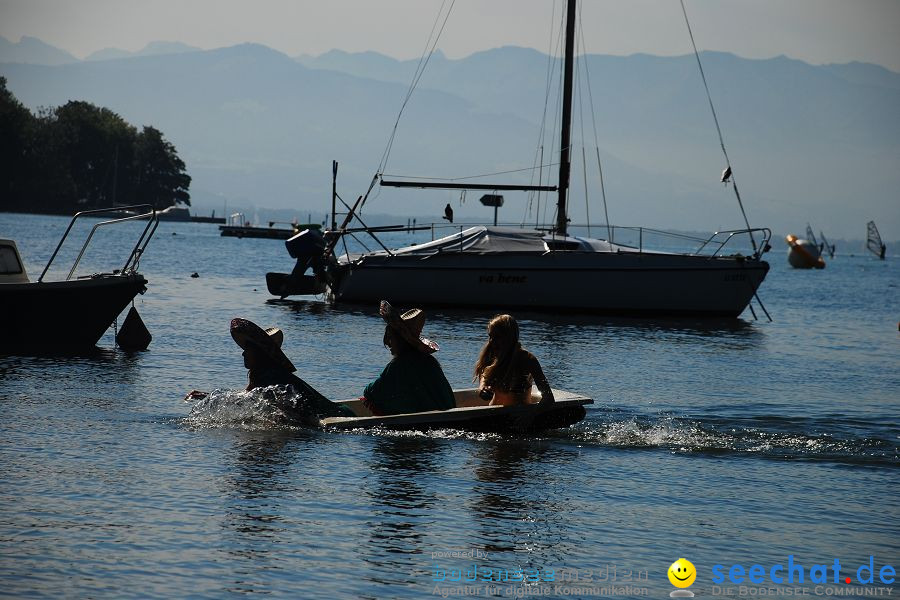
(533, 269)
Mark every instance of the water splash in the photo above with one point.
(273, 407)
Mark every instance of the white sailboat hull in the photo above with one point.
(597, 282)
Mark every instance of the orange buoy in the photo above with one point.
(803, 254)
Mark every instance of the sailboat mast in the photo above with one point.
(565, 161)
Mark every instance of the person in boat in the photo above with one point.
(505, 371)
(413, 380)
(267, 365)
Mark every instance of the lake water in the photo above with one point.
(735, 442)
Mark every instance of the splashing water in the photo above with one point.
(272, 407)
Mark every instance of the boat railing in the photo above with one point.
(634, 238)
(720, 239)
(136, 252)
(637, 237)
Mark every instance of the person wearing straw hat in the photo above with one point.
(413, 381)
(268, 365)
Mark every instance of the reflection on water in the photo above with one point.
(254, 489)
(99, 375)
(518, 503)
(402, 496)
(311, 307)
(555, 323)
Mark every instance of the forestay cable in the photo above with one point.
(430, 46)
(718, 129)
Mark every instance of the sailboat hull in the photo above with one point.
(645, 284)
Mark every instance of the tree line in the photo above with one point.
(79, 156)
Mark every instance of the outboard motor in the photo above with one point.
(307, 247)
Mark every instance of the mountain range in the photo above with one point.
(257, 128)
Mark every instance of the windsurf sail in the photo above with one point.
(811, 237)
(873, 241)
(826, 247)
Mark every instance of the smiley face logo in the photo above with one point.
(682, 573)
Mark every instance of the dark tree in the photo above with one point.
(80, 156)
(97, 147)
(161, 177)
(17, 126)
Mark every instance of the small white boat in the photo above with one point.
(70, 315)
(472, 414)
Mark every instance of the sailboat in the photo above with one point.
(873, 241)
(821, 244)
(825, 246)
(511, 268)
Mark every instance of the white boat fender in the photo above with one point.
(133, 335)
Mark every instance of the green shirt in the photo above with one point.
(411, 382)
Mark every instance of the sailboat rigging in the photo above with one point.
(513, 268)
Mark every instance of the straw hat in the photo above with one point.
(268, 341)
(409, 326)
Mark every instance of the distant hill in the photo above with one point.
(256, 127)
(33, 51)
(151, 49)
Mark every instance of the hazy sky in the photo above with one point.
(816, 31)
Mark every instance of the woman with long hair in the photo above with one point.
(505, 371)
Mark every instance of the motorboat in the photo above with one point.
(70, 315)
(547, 269)
(804, 254)
(472, 414)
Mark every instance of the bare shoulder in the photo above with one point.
(528, 358)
